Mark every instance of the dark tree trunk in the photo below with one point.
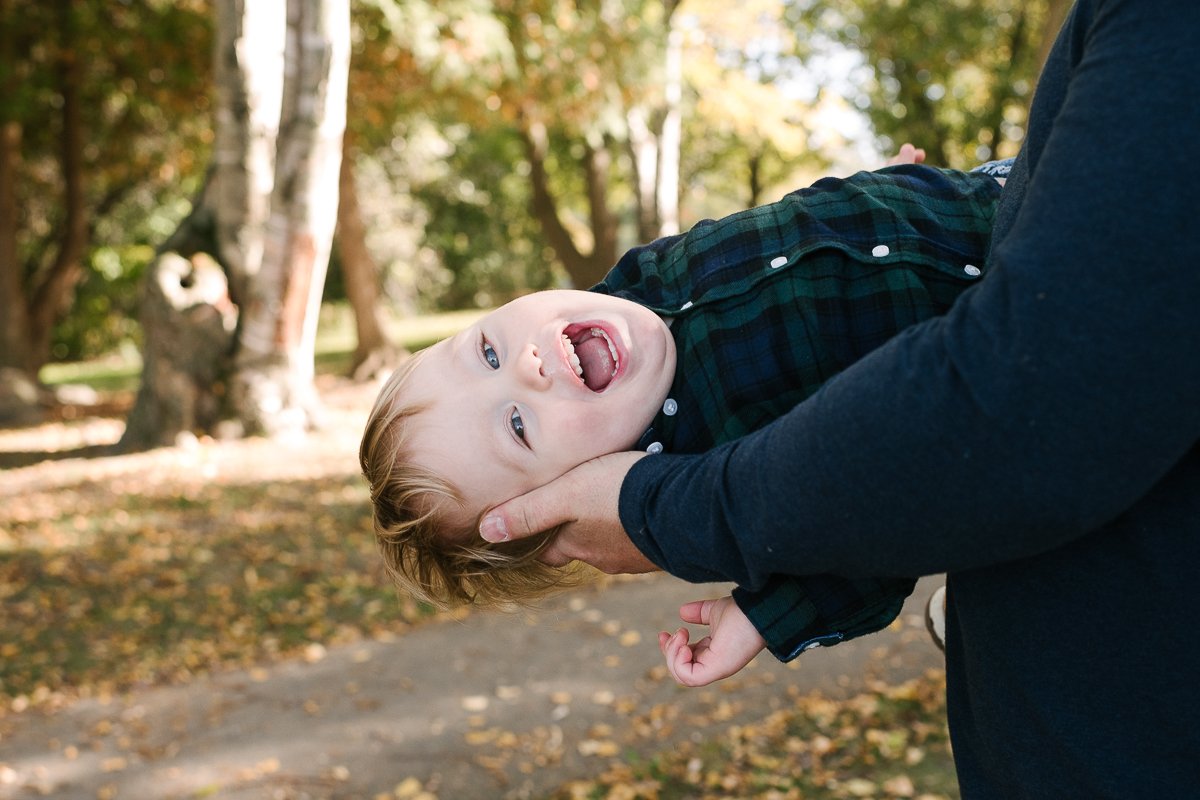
(373, 352)
(14, 316)
(15, 352)
(52, 297)
(189, 322)
(584, 269)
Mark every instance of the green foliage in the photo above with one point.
(954, 78)
(479, 224)
(105, 311)
(104, 316)
(748, 131)
(145, 73)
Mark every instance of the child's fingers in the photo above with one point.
(702, 656)
(688, 663)
(908, 154)
(679, 657)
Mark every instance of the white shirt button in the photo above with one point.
(880, 250)
(670, 407)
(812, 646)
(686, 306)
(778, 261)
(972, 270)
(655, 448)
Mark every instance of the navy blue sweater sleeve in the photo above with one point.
(1049, 399)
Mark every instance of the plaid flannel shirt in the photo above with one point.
(768, 304)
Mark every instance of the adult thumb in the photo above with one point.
(587, 495)
(523, 516)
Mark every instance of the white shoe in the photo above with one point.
(935, 617)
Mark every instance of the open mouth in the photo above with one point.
(593, 355)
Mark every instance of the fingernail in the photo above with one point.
(492, 529)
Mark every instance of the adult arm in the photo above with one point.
(1046, 402)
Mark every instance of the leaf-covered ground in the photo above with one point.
(119, 571)
(889, 742)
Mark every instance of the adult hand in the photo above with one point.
(732, 643)
(585, 502)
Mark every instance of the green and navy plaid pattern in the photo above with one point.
(768, 304)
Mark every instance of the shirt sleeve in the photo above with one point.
(797, 614)
(1048, 400)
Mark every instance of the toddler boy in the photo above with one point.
(690, 341)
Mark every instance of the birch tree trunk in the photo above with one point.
(248, 74)
(643, 148)
(272, 389)
(672, 133)
(655, 146)
(266, 219)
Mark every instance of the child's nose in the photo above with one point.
(532, 369)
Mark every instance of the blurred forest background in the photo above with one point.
(490, 147)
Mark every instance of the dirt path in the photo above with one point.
(492, 706)
(489, 707)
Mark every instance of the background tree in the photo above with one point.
(580, 88)
(267, 219)
(374, 351)
(954, 78)
(751, 130)
(88, 89)
(384, 83)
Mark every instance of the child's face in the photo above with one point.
(508, 410)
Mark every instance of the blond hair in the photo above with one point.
(425, 553)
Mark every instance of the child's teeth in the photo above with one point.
(569, 346)
(571, 357)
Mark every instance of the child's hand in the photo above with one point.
(731, 644)
(908, 155)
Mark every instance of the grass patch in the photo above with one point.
(121, 371)
(117, 372)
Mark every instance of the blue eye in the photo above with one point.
(489, 353)
(518, 424)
